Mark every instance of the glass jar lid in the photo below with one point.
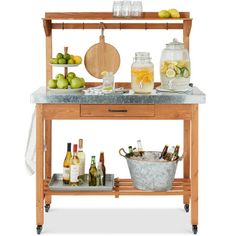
(142, 55)
(175, 44)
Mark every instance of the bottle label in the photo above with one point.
(82, 167)
(66, 173)
(74, 173)
(81, 157)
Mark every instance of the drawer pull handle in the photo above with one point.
(111, 110)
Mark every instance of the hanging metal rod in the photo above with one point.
(120, 26)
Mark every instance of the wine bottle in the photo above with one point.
(140, 147)
(74, 167)
(81, 156)
(66, 165)
(164, 151)
(175, 155)
(100, 175)
(93, 172)
(102, 160)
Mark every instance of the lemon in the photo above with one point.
(104, 73)
(182, 63)
(77, 59)
(170, 73)
(108, 88)
(174, 13)
(163, 68)
(164, 14)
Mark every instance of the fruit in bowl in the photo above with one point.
(52, 83)
(66, 58)
(70, 81)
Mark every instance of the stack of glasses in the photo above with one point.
(127, 8)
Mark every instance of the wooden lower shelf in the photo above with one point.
(125, 187)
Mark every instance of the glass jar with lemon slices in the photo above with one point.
(142, 76)
(175, 67)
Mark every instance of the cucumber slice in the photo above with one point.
(178, 70)
(185, 72)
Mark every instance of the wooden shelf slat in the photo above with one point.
(125, 187)
(108, 16)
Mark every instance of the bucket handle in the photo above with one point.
(181, 158)
(124, 152)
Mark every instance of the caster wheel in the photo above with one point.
(186, 207)
(47, 207)
(195, 229)
(39, 229)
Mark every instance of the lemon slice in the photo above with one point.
(104, 73)
(170, 73)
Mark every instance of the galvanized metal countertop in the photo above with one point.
(42, 95)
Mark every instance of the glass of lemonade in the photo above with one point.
(108, 85)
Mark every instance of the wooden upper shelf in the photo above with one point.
(108, 16)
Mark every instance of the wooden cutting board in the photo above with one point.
(101, 57)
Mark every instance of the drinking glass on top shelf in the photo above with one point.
(137, 9)
(117, 8)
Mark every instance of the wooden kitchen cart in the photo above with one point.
(79, 106)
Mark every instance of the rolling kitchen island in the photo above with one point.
(78, 106)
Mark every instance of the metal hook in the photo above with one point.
(83, 25)
(62, 26)
(167, 26)
(102, 28)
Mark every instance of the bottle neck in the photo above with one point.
(101, 158)
(176, 152)
(80, 145)
(68, 147)
(93, 160)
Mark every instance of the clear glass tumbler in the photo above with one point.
(108, 82)
(126, 8)
(117, 8)
(137, 9)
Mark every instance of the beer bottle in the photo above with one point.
(102, 160)
(175, 155)
(93, 172)
(99, 174)
(164, 151)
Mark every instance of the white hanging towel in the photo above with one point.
(30, 152)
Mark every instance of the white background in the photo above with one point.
(22, 64)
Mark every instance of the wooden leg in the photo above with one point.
(186, 160)
(39, 164)
(194, 165)
(48, 154)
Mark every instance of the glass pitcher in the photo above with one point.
(142, 75)
(175, 67)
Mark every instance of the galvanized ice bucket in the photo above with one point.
(149, 173)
